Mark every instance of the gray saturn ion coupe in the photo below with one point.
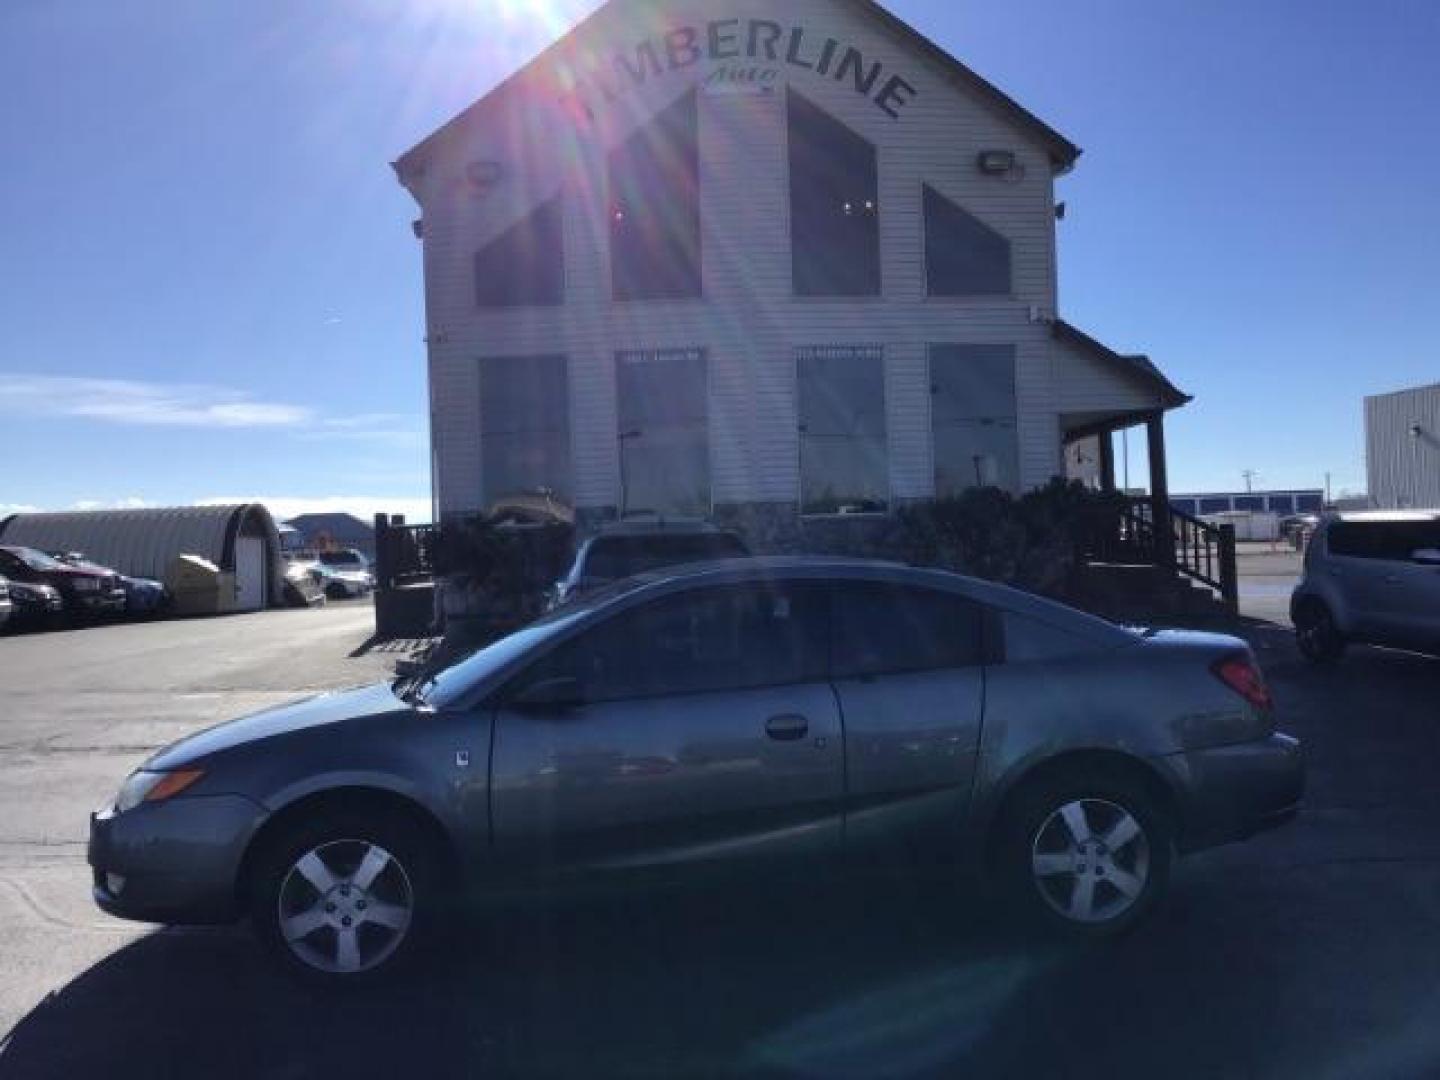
(770, 714)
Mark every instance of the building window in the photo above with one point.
(1282, 504)
(963, 255)
(844, 459)
(1215, 506)
(1249, 502)
(834, 206)
(525, 265)
(655, 207)
(664, 432)
(972, 416)
(1309, 503)
(524, 427)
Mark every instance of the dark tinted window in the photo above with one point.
(973, 413)
(844, 449)
(526, 264)
(1184, 506)
(883, 629)
(1282, 504)
(524, 426)
(340, 558)
(655, 208)
(834, 205)
(617, 557)
(1214, 506)
(1311, 503)
(664, 432)
(1392, 540)
(963, 255)
(1249, 502)
(731, 638)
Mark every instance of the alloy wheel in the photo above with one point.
(345, 907)
(1090, 861)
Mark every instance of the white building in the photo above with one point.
(1402, 448)
(766, 262)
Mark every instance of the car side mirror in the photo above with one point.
(550, 695)
(1427, 556)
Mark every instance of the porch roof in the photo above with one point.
(1137, 369)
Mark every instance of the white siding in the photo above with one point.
(1404, 468)
(749, 322)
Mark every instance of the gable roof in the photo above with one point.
(1063, 153)
(1134, 365)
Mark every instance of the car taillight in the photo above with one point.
(1240, 672)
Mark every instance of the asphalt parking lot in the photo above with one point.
(1308, 952)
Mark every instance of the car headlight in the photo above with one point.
(21, 591)
(145, 786)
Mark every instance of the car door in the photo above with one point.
(908, 670)
(1355, 571)
(1412, 605)
(703, 731)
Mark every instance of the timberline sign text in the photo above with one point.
(734, 41)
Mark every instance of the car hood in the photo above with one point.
(314, 712)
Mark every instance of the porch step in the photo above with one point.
(1141, 593)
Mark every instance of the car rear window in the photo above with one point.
(1390, 540)
(618, 557)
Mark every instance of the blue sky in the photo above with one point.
(209, 289)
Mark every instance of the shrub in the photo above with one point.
(1031, 542)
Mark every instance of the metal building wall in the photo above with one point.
(1402, 448)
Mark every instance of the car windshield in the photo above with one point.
(614, 557)
(36, 560)
(340, 558)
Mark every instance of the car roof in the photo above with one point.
(656, 583)
(1386, 516)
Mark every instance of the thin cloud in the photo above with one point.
(182, 405)
(125, 401)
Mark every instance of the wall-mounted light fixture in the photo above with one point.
(1416, 431)
(996, 162)
(484, 176)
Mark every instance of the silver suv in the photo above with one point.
(1370, 578)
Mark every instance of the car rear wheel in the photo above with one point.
(1089, 856)
(1316, 634)
(343, 901)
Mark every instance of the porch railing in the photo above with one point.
(404, 554)
(1191, 547)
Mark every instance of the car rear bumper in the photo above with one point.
(1230, 793)
(177, 862)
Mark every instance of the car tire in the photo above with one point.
(1086, 856)
(344, 899)
(1316, 634)
(337, 592)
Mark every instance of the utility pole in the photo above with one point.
(1250, 477)
(1328, 500)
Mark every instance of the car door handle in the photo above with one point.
(788, 728)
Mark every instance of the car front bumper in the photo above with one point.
(99, 603)
(1230, 793)
(175, 862)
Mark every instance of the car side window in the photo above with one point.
(702, 641)
(1391, 541)
(887, 629)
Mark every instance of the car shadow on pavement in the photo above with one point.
(872, 981)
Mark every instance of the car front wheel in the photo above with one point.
(1316, 634)
(343, 901)
(1089, 857)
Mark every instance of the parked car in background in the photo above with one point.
(775, 715)
(34, 605)
(342, 584)
(635, 547)
(143, 596)
(345, 559)
(1370, 578)
(6, 607)
(85, 592)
